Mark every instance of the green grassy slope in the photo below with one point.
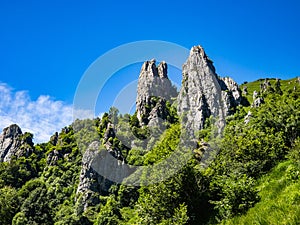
(255, 86)
(280, 198)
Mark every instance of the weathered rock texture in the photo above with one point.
(14, 143)
(257, 99)
(154, 88)
(257, 102)
(102, 166)
(91, 182)
(204, 94)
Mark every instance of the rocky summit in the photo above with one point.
(203, 93)
(14, 143)
(154, 88)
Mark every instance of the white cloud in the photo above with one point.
(42, 116)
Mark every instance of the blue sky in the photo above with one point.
(46, 46)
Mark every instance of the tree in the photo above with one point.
(9, 204)
(113, 115)
(35, 203)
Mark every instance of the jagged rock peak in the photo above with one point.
(162, 69)
(204, 94)
(11, 142)
(198, 54)
(153, 83)
(12, 131)
(149, 68)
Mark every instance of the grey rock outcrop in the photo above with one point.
(255, 94)
(257, 100)
(158, 113)
(14, 143)
(90, 182)
(101, 168)
(248, 117)
(58, 151)
(109, 133)
(54, 139)
(233, 88)
(204, 94)
(265, 85)
(53, 157)
(245, 90)
(153, 85)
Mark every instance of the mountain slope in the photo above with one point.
(251, 174)
(280, 198)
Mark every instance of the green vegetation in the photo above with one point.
(254, 179)
(280, 198)
(285, 85)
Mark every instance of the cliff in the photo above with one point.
(204, 94)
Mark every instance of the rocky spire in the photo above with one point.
(14, 143)
(203, 93)
(153, 86)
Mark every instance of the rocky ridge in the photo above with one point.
(203, 94)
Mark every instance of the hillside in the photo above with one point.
(255, 85)
(210, 154)
(280, 197)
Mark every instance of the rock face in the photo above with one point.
(233, 88)
(102, 166)
(204, 94)
(14, 143)
(257, 100)
(154, 88)
(90, 181)
(248, 117)
(245, 90)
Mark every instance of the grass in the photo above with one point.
(280, 198)
(255, 86)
